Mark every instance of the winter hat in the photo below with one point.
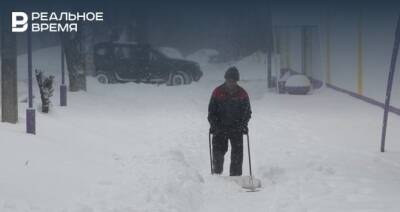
(232, 73)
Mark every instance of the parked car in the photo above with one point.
(132, 62)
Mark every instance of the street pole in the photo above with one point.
(30, 112)
(390, 82)
(270, 44)
(9, 86)
(63, 86)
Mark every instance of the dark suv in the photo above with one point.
(132, 62)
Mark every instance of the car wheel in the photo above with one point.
(103, 78)
(188, 78)
(176, 79)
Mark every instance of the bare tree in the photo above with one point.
(88, 48)
(9, 98)
(75, 57)
(141, 26)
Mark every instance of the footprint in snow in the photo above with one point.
(274, 173)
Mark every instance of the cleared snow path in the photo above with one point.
(132, 147)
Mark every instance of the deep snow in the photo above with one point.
(137, 147)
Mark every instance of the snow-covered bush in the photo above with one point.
(298, 84)
(298, 80)
(202, 56)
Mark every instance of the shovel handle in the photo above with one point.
(211, 157)
(248, 151)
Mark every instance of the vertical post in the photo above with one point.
(63, 86)
(390, 82)
(270, 45)
(303, 49)
(30, 112)
(306, 48)
(269, 69)
(359, 56)
(328, 49)
(310, 38)
(9, 95)
(287, 48)
(277, 60)
(278, 49)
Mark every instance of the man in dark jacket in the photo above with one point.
(228, 113)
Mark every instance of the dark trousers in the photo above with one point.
(220, 147)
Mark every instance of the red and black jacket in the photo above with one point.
(228, 111)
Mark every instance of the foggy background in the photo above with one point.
(237, 30)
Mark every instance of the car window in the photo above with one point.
(122, 52)
(101, 51)
(154, 55)
(138, 53)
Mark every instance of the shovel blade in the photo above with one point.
(246, 182)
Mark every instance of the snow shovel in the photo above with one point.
(250, 183)
(246, 182)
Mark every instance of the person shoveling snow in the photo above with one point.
(229, 112)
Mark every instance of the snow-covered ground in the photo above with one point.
(135, 147)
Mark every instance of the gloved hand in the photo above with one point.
(245, 129)
(212, 130)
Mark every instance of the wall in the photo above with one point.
(377, 33)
